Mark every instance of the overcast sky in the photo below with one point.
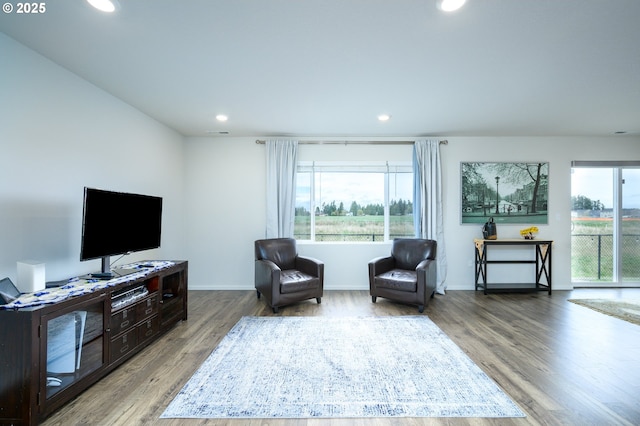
(597, 184)
(363, 188)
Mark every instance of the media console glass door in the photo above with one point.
(74, 345)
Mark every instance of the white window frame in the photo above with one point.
(617, 168)
(386, 167)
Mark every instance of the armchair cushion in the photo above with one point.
(398, 279)
(292, 280)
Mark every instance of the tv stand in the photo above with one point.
(102, 275)
(114, 273)
(51, 353)
(106, 265)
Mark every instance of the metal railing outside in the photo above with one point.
(592, 257)
(372, 237)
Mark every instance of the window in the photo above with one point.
(354, 202)
(605, 223)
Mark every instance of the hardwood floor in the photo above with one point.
(563, 364)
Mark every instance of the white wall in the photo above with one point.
(58, 134)
(225, 201)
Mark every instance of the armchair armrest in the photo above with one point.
(264, 272)
(380, 265)
(427, 274)
(426, 264)
(309, 265)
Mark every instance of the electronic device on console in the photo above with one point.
(8, 291)
(128, 297)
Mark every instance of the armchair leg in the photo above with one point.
(433, 294)
(258, 293)
(421, 308)
(319, 300)
(275, 309)
(373, 299)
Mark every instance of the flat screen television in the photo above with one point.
(115, 223)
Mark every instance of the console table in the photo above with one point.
(52, 350)
(542, 261)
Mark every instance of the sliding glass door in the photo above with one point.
(605, 224)
(630, 226)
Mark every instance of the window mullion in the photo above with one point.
(386, 206)
(617, 273)
(312, 192)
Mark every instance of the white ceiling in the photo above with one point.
(329, 67)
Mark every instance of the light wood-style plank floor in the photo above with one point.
(563, 364)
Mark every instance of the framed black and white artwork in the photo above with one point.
(511, 193)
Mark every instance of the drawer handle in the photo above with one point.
(148, 333)
(124, 349)
(124, 324)
(148, 311)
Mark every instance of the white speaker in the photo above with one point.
(30, 276)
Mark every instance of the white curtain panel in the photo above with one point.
(427, 211)
(282, 156)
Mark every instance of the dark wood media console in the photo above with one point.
(51, 353)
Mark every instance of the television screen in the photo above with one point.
(117, 223)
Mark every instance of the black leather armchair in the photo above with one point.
(408, 275)
(282, 276)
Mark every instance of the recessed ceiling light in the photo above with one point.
(384, 117)
(620, 132)
(105, 5)
(450, 5)
(221, 117)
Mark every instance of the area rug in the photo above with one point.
(312, 367)
(628, 310)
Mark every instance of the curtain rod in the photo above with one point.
(443, 142)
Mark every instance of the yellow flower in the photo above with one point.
(529, 231)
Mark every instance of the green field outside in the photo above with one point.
(353, 228)
(592, 249)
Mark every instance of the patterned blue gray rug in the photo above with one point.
(318, 367)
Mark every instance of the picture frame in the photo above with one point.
(510, 192)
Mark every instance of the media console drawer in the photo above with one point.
(147, 307)
(148, 328)
(123, 319)
(123, 344)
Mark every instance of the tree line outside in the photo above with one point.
(396, 208)
(581, 202)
